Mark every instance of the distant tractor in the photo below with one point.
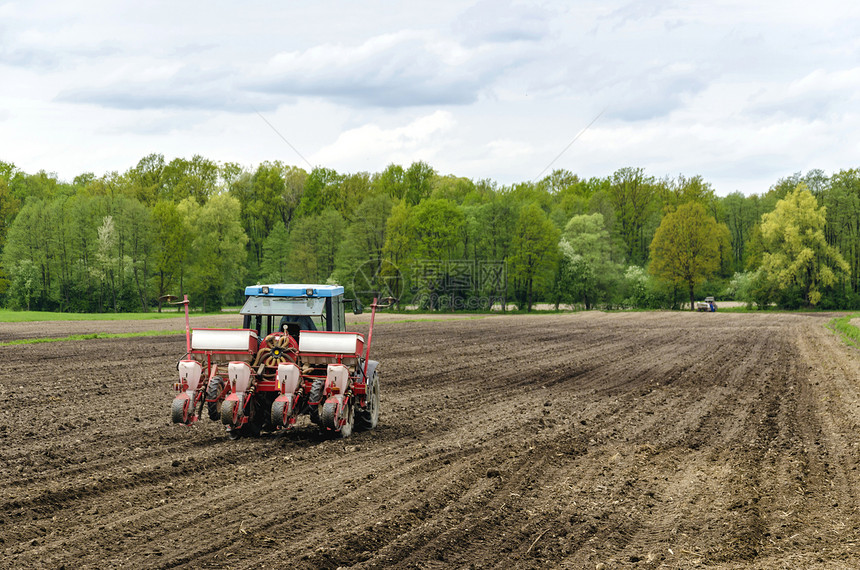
(292, 356)
(706, 306)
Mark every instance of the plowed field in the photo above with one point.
(641, 440)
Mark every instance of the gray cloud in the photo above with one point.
(406, 70)
(491, 21)
(190, 87)
(29, 58)
(37, 56)
(638, 11)
(138, 96)
(651, 95)
(818, 96)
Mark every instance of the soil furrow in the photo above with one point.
(628, 440)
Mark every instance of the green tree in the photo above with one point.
(435, 229)
(321, 190)
(842, 230)
(586, 271)
(363, 245)
(147, 179)
(453, 188)
(9, 206)
(419, 179)
(353, 189)
(391, 181)
(29, 239)
(217, 249)
(496, 219)
(261, 196)
(273, 268)
(302, 258)
(24, 283)
(172, 237)
(135, 221)
(196, 178)
(741, 214)
(796, 253)
(398, 233)
(558, 181)
(682, 190)
(435, 238)
(686, 248)
(330, 229)
(107, 258)
(534, 252)
(65, 254)
(632, 195)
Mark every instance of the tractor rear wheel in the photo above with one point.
(179, 410)
(227, 407)
(212, 393)
(369, 417)
(315, 395)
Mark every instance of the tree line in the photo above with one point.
(125, 241)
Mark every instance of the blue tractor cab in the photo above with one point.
(294, 308)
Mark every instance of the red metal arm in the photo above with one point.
(187, 325)
(370, 335)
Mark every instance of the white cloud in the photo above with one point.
(420, 139)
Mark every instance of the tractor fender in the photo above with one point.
(371, 367)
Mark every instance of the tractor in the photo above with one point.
(292, 356)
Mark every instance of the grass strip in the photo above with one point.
(90, 336)
(842, 326)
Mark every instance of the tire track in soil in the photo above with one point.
(635, 440)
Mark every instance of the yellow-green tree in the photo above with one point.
(796, 253)
(686, 247)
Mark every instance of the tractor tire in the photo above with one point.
(179, 411)
(279, 414)
(316, 392)
(368, 418)
(227, 407)
(315, 395)
(263, 411)
(212, 393)
(328, 419)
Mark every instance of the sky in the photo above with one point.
(742, 93)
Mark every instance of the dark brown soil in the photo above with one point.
(643, 440)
